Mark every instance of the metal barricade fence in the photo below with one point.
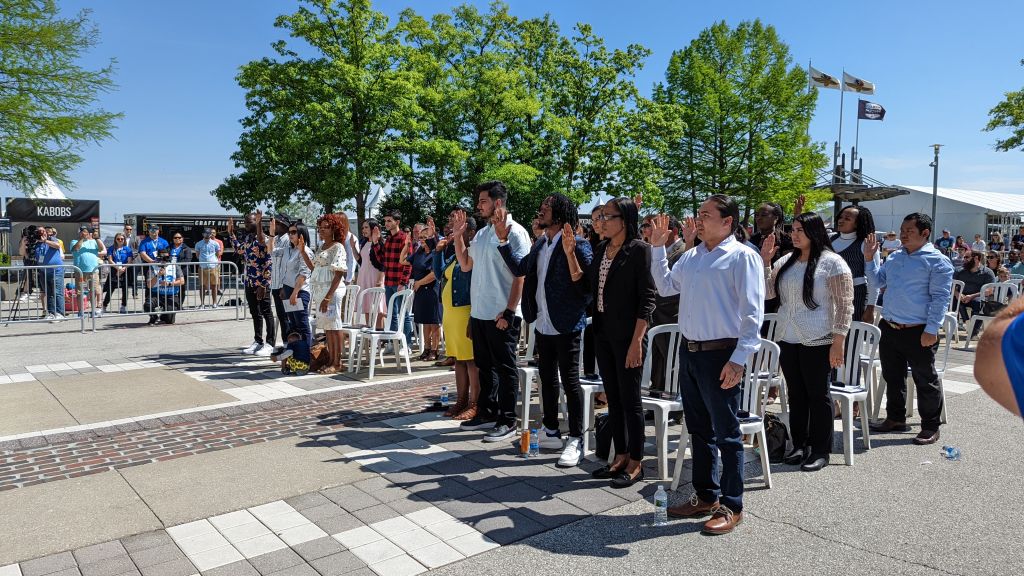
(39, 293)
(124, 290)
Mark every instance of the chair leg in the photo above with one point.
(408, 362)
(524, 395)
(911, 391)
(661, 432)
(783, 395)
(353, 341)
(880, 386)
(942, 392)
(864, 430)
(588, 421)
(684, 442)
(359, 355)
(970, 332)
(765, 464)
(846, 405)
(374, 343)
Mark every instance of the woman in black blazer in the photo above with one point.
(619, 278)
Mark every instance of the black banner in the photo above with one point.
(73, 211)
(869, 110)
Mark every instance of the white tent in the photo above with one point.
(963, 212)
(48, 190)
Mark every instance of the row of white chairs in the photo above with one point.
(360, 317)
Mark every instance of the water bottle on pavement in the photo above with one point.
(534, 443)
(444, 396)
(660, 506)
(951, 452)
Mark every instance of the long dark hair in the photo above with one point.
(865, 221)
(301, 230)
(630, 216)
(814, 230)
(372, 223)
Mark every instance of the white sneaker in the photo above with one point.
(59, 317)
(572, 454)
(251, 348)
(265, 350)
(51, 317)
(550, 439)
(98, 313)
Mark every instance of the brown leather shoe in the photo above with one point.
(723, 521)
(926, 437)
(692, 509)
(888, 425)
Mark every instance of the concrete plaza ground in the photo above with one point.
(162, 451)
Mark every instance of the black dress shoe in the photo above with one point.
(926, 437)
(814, 463)
(605, 472)
(624, 480)
(797, 456)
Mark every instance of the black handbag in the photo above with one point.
(991, 307)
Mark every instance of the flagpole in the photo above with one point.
(842, 93)
(856, 139)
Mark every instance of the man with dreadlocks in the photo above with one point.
(557, 303)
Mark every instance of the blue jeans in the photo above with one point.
(390, 291)
(298, 321)
(53, 284)
(712, 421)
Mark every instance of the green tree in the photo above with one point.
(48, 101)
(330, 126)
(746, 109)
(1008, 114)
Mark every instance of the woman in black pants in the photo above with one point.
(815, 291)
(619, 278)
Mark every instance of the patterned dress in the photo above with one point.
(326, 263)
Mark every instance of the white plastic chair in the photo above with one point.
(861, 352)
(766, 359)
(530, 374)
(396, 337)
(375, 296)
(777, 378)
(954, 303)
(1001, 292)
(673, 401)
(942, 358)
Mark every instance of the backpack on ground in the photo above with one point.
(777, 436)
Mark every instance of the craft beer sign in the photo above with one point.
(52, 210)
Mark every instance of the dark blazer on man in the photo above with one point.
(567, 300)
(628, 290)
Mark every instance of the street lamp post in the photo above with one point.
(935, 186)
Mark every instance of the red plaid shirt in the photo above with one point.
(396, 272)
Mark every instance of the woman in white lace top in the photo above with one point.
(815, 290)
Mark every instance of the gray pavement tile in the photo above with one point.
(414, 476)
(113, 566)
(240, 568)
(179, 567)
(382, 489)
(350, 498)
(441, 490)
(472, 508)
(323, 511)
(375, 513)
(67, 572)
(593, 500)
(408, 505)
(318, 548)
(515, 494)
(552, 512)
(298, 570)
(508, 526)
(157, 555)
(275, 561)
(146, 540)
(338, 524)
(397, 436)
(88, 370)
(337, 564)
(362, 572)
(48, 564)
(97, 552)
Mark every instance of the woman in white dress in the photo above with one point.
(328, 273)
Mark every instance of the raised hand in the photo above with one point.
(259, 218)
(568, 239)
(768, 249)
(689, 231)
(659, 230)
(870, 247)
(441, 244)
(458, 224)
(798, 206)
(375, 235)
(300, 242)
(273, 226)
(638, 199)
(231, 225)
(431, 228)
(499, 220)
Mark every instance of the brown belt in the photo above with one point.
(898, 326)
(709, 345)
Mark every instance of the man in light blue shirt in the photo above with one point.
(917, 279)
(210, 253)
(720, 284)
(495, 319)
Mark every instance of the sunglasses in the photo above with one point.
(177, 237)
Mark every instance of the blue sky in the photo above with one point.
(938, 68)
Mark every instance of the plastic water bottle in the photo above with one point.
(951, 452)
(660, 506)
(444, 396)
(534, 443)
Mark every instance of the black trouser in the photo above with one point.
(164, 303)
(115, 280)
(559, 356)
(806, 369)
(901, 348)
(589, 353)
(260, 311)
(282, 316)
(622, 386)
(494, 352)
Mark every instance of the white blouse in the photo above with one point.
(833, 292)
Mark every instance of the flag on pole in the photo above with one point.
(854, 84)
(869, 110)
(822, 80)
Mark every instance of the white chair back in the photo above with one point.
(949, 321)
(772, 320)
(861, 343)
(766, 359)
(1001, 291)
(350, 300)
(674, 336)
(954, 301)
(369, 302)
(405, 298)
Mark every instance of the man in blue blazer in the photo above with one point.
(556, 304)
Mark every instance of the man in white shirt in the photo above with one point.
(721, 282)
(280, 252)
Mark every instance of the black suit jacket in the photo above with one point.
(628, 290)
(567, 300)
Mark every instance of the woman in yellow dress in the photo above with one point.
(456, 305)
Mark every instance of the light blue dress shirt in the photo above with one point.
(723, 292)
(917, 286)
(492, 281)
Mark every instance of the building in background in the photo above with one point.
(963, 212)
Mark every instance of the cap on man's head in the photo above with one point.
(945, 230)
(283, 218)
(153, 227)
(85, 227)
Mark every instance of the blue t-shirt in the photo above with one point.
(179, 253)
(119, 255)
(1013, 358)
(207, 250)
(152, 247)
(170, 272)
(88, 257)
(47, 255)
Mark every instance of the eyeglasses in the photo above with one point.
(645, 225)
(177, 237)
(607, 217)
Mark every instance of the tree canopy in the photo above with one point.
(1009, 113)
(48, 107)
